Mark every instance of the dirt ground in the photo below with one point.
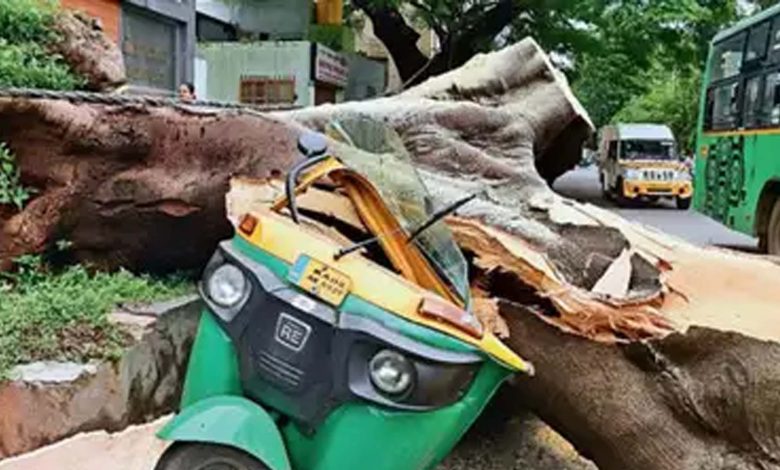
(525, 443)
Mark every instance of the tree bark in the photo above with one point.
(705, 399)
(459, 43)
(399, 38)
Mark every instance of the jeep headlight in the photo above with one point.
(226, 285)
(632, 174)
(683, 175)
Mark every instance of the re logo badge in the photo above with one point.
(292, 332)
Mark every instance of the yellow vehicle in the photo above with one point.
(640, 162)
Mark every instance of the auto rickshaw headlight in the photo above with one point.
(226, 285)
(391, 372)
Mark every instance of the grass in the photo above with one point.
(64, 315)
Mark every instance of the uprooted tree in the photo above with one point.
(650, 353)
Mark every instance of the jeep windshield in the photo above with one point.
(647, 150)
(379, 155)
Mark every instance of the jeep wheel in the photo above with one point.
(683, 203)
(201, 456)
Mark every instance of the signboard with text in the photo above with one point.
(330, 67)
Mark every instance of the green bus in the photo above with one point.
(738, 139)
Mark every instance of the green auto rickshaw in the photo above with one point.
(337, 338)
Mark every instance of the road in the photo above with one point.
(582, 184)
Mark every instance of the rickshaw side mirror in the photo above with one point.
(312, 144)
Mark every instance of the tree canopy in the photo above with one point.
(626, 58)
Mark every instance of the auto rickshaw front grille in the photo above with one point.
(279, 368)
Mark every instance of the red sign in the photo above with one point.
(330, 67)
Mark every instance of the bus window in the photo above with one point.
(770, 111)
(709, 107)
(751, 118)
(774, 41)
(757, 43)
(727, 57)
(724, 107)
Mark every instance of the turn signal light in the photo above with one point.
(443, 311)
(248, 224)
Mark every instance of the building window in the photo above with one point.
(266, 90)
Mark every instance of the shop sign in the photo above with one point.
(330, 67)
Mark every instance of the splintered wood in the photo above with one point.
(705, 287)
(578, 310)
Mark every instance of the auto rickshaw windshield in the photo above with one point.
(377, 152)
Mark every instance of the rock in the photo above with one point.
(88, 51)
(47, 402)
(49, 372)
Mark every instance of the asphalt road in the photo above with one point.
(582, 184)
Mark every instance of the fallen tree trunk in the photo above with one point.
(650, 354)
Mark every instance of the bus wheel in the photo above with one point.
(773, 234)
(683, 203)
(202, 456)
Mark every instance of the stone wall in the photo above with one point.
(49, 401)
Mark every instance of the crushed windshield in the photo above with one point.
(647, 150)
(386, 163)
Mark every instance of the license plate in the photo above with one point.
(320, 280)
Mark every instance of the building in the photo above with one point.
(300, 73)
(253, 51)
(253, 20)
(263, 52)
(157, 38)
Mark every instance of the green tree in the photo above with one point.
(672, 98)
(466, 28)
(25, 35)
(618, 53)
(645, 45)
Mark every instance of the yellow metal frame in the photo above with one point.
(402, 295)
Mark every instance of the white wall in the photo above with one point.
(201, 81)
(226, 62)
